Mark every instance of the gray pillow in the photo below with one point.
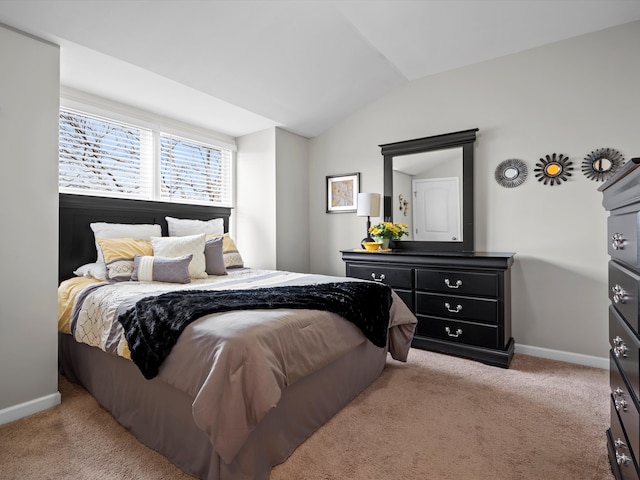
(161, 269)
(214, 257)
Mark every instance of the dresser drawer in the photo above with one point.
(625, 347)
(623, 455)
(458, 332)
(624, 408)
(623, 293)
(458, 283)
(623, 238)
(481, 310)
(396, 277)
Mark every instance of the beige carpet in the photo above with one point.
(435, 418)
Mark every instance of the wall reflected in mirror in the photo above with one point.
(428, 194)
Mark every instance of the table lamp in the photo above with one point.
(368, 206)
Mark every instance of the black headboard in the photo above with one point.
(77, 245)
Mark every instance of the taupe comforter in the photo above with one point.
(235, 364)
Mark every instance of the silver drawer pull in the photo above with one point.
(620, 348)
(619, 294)
(617, 241)
(622, 459)
(621, 404)
(448, 307)
(621, 351)
(379, 279)
(455, 335)
(448, 283)
(620, 444)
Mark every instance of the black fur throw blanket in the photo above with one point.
(152, 326)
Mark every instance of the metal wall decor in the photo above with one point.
(601, 164)
(511, 173)
(404, 204)
(553, 169)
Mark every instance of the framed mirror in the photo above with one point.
(428, 185)
(601, 164)
(511, 173)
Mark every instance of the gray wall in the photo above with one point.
(570, 97)
(29, 99)
(292, 201)
(272, 200)
(255, 213)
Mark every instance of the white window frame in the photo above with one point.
(90, 105)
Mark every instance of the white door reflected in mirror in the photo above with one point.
(436, 212)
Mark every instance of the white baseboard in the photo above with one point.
(587, 360)
(36, 405)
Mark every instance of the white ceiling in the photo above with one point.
(244, 65)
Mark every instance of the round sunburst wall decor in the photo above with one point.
(553, 169)
(511, 173)
(601, 164)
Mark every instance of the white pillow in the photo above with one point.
(92, 270)
(180, 227)
(123, 230)
(172, 247)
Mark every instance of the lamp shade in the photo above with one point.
(368, 205)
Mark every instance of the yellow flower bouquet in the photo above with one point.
(390, 230)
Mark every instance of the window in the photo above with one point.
(194, 171)
(101, 156)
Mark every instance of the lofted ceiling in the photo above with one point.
(245, 65)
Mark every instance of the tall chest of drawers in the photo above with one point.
(621, 197)
(462, 300)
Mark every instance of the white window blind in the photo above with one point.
(101, 156)
(194, 171)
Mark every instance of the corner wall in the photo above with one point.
(29, 99)
(272, 200)
(292, 222)
(255, 214)
(569, 97)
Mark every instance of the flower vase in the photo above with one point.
(385, 243)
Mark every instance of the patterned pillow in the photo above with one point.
(161, 269)
(173, 247)
(118, 255)
(214, 257)
(232, 257)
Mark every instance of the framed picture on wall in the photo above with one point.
(342, 192)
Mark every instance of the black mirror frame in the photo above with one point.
(464, 139)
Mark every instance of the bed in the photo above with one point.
(239, 389)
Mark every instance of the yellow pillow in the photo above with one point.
(232, 257)
(119, 253)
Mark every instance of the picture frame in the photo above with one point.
(342, 193)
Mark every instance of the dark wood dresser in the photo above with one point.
(462, 300)
(621, 197)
